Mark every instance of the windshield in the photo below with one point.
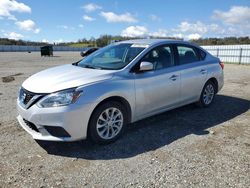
(112, 57)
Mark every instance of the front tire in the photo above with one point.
(107, 122)
(207, 94)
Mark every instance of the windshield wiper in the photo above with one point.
(76, 63)
(95, 67)
(91, 67)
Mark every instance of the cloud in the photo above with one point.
(58, 41)
(235, 21)
(80, 25)
(198, 30)
(178, 35)
(113, 18)
(141, 31)
(91, 7)
(236, 15)
(184, 30)
(190, 30)
(13, 35)
(214, 28)
(27, 25)
(194, 36)
(88, 18)
(45, 41)
(65, 27)
(135, 31)
(37, 30)
(186, 27)
(7, 6)
(155, 18)
(159, 33)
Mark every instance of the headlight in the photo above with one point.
(61, 98)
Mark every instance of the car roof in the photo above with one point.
(151, 42)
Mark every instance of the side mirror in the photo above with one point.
(146, 66)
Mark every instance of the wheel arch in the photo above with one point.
(119, 99)
(215, 82)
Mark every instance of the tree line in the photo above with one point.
(104, 40)
(6, 41)
(222, 41)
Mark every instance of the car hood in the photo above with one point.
(64, 77)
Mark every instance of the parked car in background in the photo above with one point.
(88, 51)
(121, 83)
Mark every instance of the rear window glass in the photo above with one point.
(202, 54)
(187, 55)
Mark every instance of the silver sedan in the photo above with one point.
(124, 82)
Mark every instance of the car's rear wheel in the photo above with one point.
(107, 122)
(207, 94)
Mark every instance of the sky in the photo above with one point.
(70, 20)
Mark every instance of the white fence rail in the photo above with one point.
(227, 53)
(231, 53)
(17, 48)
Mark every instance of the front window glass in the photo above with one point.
(161, 57)
(112, 57)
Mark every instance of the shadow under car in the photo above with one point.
(156, 131)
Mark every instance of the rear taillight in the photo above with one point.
(222, 65)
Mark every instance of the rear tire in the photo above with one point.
(207, 94)
(107, 122)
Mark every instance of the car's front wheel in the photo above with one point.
(107, 122)
(207, 94)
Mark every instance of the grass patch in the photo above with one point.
(80, 45)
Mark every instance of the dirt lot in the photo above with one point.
(186, 147)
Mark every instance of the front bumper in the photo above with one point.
(72, 119)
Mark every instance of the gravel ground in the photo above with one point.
(186, 147)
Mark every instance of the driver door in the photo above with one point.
(159, 88)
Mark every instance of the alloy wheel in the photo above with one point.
(208, 94)
(109, 123)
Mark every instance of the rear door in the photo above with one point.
(193, 72)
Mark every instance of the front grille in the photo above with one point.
(26, 96)
(31, 125)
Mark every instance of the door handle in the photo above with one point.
(173, 77)
(203, 71)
